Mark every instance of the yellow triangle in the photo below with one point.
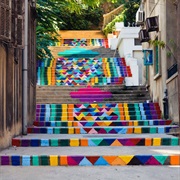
(96, 110)
(116, 143)
(82, 115)
(89, 118)
(107, 123)
(126, 158)
(93, 105)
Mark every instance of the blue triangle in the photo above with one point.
(82, 131)
(101, 161)
(90, 123)
(91, 143)
(143, 158)
(85, 162)
(108, 117)
(122, 131)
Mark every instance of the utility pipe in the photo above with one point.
(25, 73)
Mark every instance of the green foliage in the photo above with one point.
(49, 20)
(171, 47)
(128, 15)
(130, 10)
(83, 21)
(110, 26)
(157, 43)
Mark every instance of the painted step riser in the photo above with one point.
(76, 110)
(110, 87)
(101, 123)
(96, 112)
(93, 98)
(49, 101)
(96, 118)
(119, 160)
(100, 130)
(95, 142)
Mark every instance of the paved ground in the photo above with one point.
(91, 173)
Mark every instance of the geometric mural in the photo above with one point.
(98, 112)
(173, 141)
(82, 71)
(83, 42)
(121, 160)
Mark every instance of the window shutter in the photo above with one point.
(20, 23)
(5, 23)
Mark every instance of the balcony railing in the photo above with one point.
(107, 18)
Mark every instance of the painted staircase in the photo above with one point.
(83, 129)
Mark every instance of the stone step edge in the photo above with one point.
(101, 130)
(85, 142)
(100, 123)
(93, 160)
(75, 120)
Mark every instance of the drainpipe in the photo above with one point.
(25, 73)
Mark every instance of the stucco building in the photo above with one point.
(158, 20)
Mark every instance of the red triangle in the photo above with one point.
(92, 159)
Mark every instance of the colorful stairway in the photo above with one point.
(83, 42)
(82, 71)
(83, 129)
(95, 134)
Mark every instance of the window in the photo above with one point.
(157, 61)
(172, 70)
(5, 20)
(137, 42)
(32, 32)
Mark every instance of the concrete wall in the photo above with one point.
(126, 47)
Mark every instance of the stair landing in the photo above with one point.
(78, 34)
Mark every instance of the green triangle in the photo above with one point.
(96, 141)
(103, 143)
(107, 129)
(161, 158)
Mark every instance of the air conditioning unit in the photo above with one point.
(140, 17)
(144, 36)
(152, 24)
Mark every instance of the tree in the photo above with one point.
(130, 9)
(49, 21)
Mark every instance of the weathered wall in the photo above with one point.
(11, 84)
(11, 101)
(172, 82)
(172, 87)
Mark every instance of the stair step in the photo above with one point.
(91, 156)
(101, 123)
(102, 130)
(102, 141)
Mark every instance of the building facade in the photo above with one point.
(12, 47)
(159, 33)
